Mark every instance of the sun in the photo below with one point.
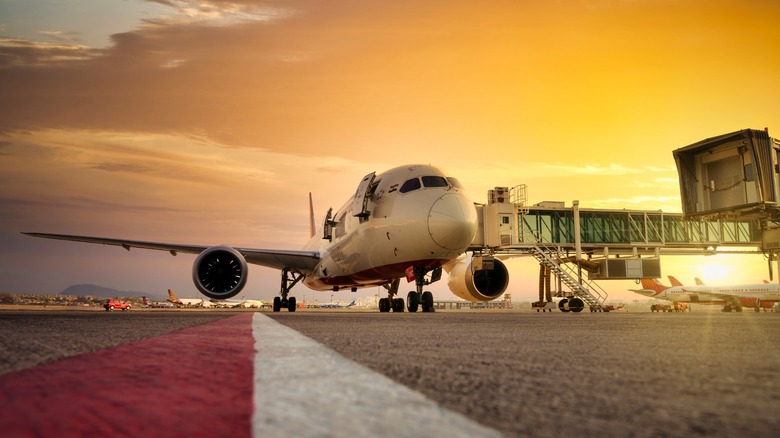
(714, 272)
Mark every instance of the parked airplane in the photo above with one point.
(251, 303)
(188, 302)
(336, 305)
(156, 304)
(757, 296)
(411, 221)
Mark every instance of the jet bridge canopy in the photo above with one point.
(732, 175)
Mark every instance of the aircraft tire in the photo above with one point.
(398, 305)
(291, 304)
(277, 304)
(384, 305)
(562, 305)
(427, 301)
(412, 303)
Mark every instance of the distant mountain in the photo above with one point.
(93, 290)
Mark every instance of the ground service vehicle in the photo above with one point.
(113, 304)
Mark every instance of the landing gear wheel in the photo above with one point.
(412, 303)
(384, 305)
(576, 305)
(398, 305)
(277, 304)
(427, 302)
(291, 304)
(562, 305)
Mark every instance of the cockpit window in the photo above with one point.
(454, 182)
(435, 181)
(410, 185)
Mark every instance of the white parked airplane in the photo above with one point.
(411, 221)
(735, 297)
(188, 302)
(336, 305)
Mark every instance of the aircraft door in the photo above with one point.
(360, 202)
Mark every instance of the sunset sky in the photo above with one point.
(210, 121)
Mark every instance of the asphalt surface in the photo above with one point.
(522, 373)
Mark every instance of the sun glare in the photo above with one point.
(715, 272)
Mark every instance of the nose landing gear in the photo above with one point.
(416, 298)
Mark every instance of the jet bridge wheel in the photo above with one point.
(576, 305)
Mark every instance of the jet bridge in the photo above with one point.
(615, 244)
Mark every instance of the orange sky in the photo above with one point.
(210, 121)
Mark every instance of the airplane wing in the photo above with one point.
(301, 261)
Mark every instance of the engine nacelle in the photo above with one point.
(468, 279)
(220, 272)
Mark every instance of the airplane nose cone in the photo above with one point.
(452, 222)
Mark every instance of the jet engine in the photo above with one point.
(478, 278)
(220, 272)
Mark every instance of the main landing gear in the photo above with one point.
(289, 279)
(415, 299)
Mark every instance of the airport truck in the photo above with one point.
(112, 304)
(676, 307)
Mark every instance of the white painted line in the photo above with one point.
(305, 389)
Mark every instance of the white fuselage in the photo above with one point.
(399, 223)
(747, 295)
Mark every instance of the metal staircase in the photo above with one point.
(589, 292)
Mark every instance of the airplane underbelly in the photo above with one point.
(375, 256)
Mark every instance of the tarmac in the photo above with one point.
(346, 372)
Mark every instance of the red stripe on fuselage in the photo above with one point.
(192, 382)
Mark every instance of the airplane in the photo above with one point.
(187, 302)
(336, 305)
(251, 304)
(757, 296)
(410, 222)
(157, 304)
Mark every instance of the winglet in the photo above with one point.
(312, 229)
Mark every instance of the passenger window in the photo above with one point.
(434, 181)
(410, 185)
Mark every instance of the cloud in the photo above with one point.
(21, 53)
(64, 37)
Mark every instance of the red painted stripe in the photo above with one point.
(192, 382)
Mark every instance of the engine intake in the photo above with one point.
(220, 272)
(474, 280)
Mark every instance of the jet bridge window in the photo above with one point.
(435, 181)
(410, 185)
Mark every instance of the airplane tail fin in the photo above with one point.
(146, 303)
(674, 280)
(312, 228)
(653, 284)
(172, 296)
(698, 281)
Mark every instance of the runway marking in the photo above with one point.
(305, 389)
(191, 382)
